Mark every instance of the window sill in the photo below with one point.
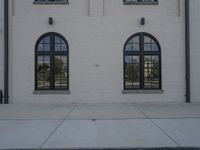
(142, 91)
(140, 3)
(47, 92)
(51, 3)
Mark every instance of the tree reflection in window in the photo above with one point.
(142, 62)
(52, 63)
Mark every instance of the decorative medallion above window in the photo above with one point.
(140, 2)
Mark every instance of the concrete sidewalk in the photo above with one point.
(150, 125)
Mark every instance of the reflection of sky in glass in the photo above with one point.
(147, 39)
(46, 59)
(40, 59)
(132, 47)
(134, 40)
(133, 44)
(44, 44)
(43, 60)
(132, 59)
(150, 44)
(44, 47)
(58, 40)
(47, 39)
(60, 44)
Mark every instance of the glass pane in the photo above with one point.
(150, 44)
(47, 39)
(59, 43)
(132, 72)
(43, 72)
(132, 47)
(147, 39)
(61, 74)
(133, 44)
(151, 72)
(135, 40)
(129, 47)
(44, 44)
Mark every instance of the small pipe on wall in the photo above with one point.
(187, 49)
(6, 51)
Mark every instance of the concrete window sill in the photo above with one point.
(142, 91)
(51, 3)
(141, 3)
(47, 92)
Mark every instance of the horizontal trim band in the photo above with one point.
(142, 91)
(46, 92)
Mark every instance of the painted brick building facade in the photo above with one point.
(96, 32)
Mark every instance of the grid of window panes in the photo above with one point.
(52, 63)
(151, 72)
(44, 44)
(51, 1)
(60, 63)
(61, 74)
(140, 2)
(132, 72)
(142, 69)
(43, 72)
(133, 44)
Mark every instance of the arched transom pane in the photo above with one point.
(59, 44)
(133, 44)
(44, 44)
(150, 44)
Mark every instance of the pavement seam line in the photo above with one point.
(155, 124)
(165, 132)
(56, 128)
(66, 117)
(104, 119)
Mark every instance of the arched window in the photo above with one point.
(51, 62)
(142, 62)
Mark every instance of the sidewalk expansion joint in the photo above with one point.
(155, 124)
(56, 128)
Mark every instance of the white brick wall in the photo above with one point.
(96, 8)
(195, 50)
(98, 40)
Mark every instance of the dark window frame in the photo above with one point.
(50, 2)
(141, 55)
(140, 2)
(52, 53)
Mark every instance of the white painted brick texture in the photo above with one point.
(98, 40)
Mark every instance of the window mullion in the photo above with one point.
(52, 62)
(142, 79)
(160, 71)
(36, 70)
